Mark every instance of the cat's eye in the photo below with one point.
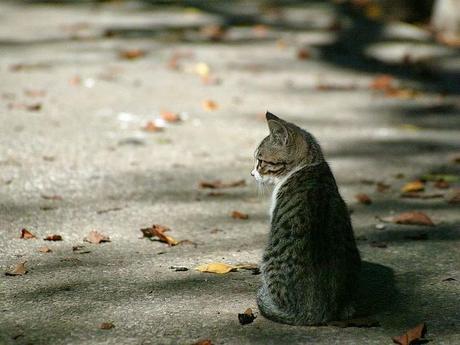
(270, 162)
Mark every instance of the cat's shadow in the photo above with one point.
(377, 292)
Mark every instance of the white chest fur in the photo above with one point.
(277, 188)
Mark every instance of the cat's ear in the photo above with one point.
(278, 130)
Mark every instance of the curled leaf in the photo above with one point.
(96, 237)
(27, 235)
(247, 317)
(131, 54)
(53, 238)
(412, 336)
(158, 231)
(170, 116)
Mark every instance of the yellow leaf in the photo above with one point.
(414, 186)
(216, 267)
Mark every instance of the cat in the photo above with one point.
(310, 266)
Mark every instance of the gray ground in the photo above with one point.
(86, 145)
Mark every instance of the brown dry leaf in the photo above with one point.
(412, 218)
(151, 127)
(158, 231)
(453, 197)
(382, 187)
(169, 116)
(131, 54)
(218, 184)
(216, 267)
(203, 342)
(209, 105)
(363, 199)
(239, 215)
(53, 238)
(44, 250)
(412, 336)
(414, 186)
(361, 322)
(247, 317)
(441, 184)
(213, 32)
(18, 270)
(303, 54)
(51, 197)
(96, 237)
(382, 82)
(27, 235)
(106, 325)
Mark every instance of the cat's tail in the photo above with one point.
(269, 310)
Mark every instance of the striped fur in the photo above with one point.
(310, 265)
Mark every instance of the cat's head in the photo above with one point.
(284, 149)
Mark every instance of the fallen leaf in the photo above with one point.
(303, 54)
(450, 279)
(215, 194)
(131, 54)
(106, 325)
(361, 323)
(412, 218)
(203, 342)
(112, 209)
(44, 250)
(51, 197)
(441, 184)
(53, 238)
(377, 244)
(209, 105)
(80, 250)
(382, 82)
(254, 268)
(453, 197)
(414, 186)
(218, 184)
(170, 116)
(96, 237)
(216, 267)
(27, 235)
(158, 231)
(178, 268)
(363, 199)
(412, 336)
(150, 126)
(247, 317)
(213, 32)
(239, 215)
(417, 195)
(18, 270)
(382, 187)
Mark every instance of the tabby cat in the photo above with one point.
(310, 265)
